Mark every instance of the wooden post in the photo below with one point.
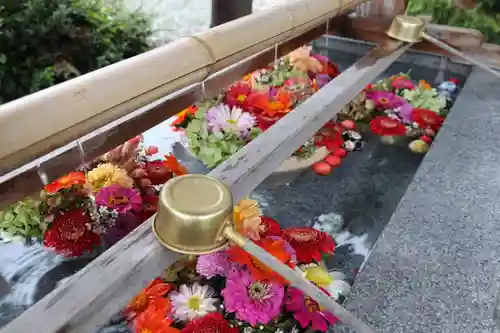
(227, 10)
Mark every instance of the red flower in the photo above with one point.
(173, 165)
(72, 178)
(183, 117)
(237, 95)
(211, 323)
(259, 270)
(151, 150)
(157, 172)
(269, 227)
(383, 125)
(156, 290)
(427, 119)
(271, 104)
(149, 207)
(308, 243)
(329, 137)
(69, 236)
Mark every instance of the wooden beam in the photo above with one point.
(92, 296)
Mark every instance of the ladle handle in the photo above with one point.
(456, 52)
(307, 287)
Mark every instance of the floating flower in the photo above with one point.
(246, 218)
(125, 224)
(211, 323)
(108, 174)
(332, 282)
(307, 311)
(259, 270)
(230, 120)
(120, 198)
(154, 319)
(402, 83)
(271, 104)
(308, 243)
(302, 60)
(213, 264)
(424, 85)
(404, 112)
(269, 227)
(157, 172)
(151, 150)
(184, 117)
(329, 68)
(385, 99)
(193, 301)
(68, 181)
(256, 302)
(149, 207)
(427, 119)
(69, 235)
(156, 289)
(173, 165)
(237, 95)
(386, 126)
(288, 248)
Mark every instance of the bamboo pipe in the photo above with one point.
(125, 86)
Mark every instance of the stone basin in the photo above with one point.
(355, 203)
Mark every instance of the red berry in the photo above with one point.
(333, 161)
(340, 152)
(322, 168)
(348, 124)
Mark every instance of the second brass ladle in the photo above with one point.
(412, 30)
(194, 217)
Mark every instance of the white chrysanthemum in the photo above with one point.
(192, 301)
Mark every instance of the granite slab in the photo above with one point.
(436, 266)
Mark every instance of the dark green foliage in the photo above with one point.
(44, 42)
(485, 17)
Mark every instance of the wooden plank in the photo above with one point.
(101, 289)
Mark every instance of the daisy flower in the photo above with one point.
(221, 118)
(192, 301)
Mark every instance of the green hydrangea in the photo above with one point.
(22, 220)
(425, 99)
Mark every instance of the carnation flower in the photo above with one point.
(385, 99)
(192, 301)
(69, 235)
(211, 323)
(222, 118)
(108, 174)
(308, 243)
(120, 198)
(253, 301)
(213, 264)
(68, 181)
(307, 311)
(427, 119)
(386, 126)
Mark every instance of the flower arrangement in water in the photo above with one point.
(85, 210)
(217, 128)
(231, 291)
(398, 107)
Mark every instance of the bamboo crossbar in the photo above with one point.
(102, 288)
(54, 117)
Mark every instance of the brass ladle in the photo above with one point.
(412, 30)
(194, 217)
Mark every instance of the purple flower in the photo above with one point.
(404, 111)
(288, 248)
(120, 198)
(385, 99)
(213, 264)
(253, 301)
(122, 227)
(221, 118)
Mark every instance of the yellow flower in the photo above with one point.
(109, 174)
(318, 275)
(246, 218)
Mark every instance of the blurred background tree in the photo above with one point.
(44, 42)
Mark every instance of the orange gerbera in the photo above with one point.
(424, 84)
(181, 116)
(271, 104)
(173, 164)
(258, 269)
(154, 320)
(151, 295)
(72, 178)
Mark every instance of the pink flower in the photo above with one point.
(253, 301)
(404, 111)
(213, 264)
(402, 83)
(120, 198)
(385, 99)
(307, 312)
